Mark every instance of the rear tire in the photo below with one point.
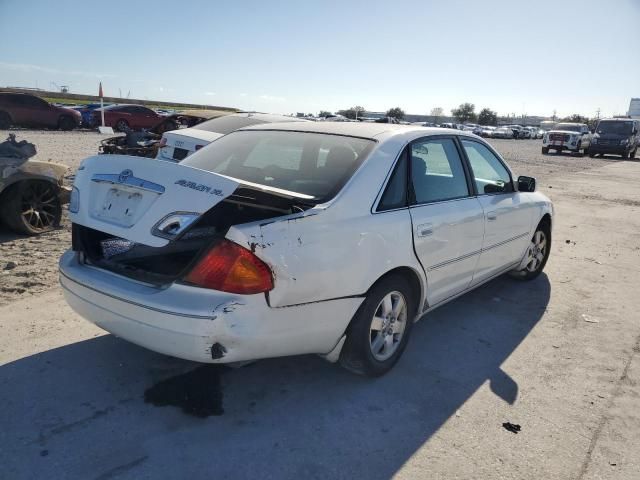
(537, 253)
(625, 155)
(122, 125)
(380, 329)
(31, 207)
(5, 121)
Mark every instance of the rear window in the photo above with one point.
(227, 124)
(310, 163)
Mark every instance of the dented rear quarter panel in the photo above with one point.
(13, 172)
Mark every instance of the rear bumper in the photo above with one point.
(198, 324)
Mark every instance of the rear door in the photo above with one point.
(507, 213)
(447, 220)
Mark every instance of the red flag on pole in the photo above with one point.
(100, 90)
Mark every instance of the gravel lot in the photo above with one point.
(36, 258)
(559, 356)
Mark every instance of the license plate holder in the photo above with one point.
(119, 207)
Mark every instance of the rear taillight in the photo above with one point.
(198, 147)
(163, 141)
(228, 267)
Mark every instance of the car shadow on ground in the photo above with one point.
(78, 411)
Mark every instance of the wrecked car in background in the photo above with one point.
(31, 192)
(296, 238)
(24, 110)
(146, 143)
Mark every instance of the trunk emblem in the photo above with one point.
(124, 175)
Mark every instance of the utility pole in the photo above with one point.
(598, 114)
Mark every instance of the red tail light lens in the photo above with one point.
(228, 267)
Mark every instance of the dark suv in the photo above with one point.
(24, 110)
(618, 136)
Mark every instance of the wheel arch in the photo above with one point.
(416, 282)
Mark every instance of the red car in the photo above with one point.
(125, 117)
(24, 110)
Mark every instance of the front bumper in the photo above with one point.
(199, 324)
(613, 149)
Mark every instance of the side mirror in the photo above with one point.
(526, 184)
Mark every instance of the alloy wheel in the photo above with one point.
(537, 251)
(388, 325)
(39, 206)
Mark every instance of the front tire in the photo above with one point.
(537, 253)
(625, 155)
(379, 331)
(5, 121)
(66, 123)
(545, 150)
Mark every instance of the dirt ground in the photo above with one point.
(559, 357)
(36, 258)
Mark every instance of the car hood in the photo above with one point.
(570, 132)
(612, 136)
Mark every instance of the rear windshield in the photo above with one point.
(310, 163)
(617, 128)
(227, 124)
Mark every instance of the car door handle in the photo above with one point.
(424, 229)
(491, 216)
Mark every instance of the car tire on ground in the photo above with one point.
(633, 154)
(379, 331)
(537, 253)
(122, 125)
(545, 150)
(5, 121)
(31, 207)
(66, 123)
(625, 155)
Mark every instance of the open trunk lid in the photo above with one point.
(129, 196)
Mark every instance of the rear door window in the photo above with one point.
(437, 173)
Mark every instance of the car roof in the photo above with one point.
(268, 117)
(352, 129)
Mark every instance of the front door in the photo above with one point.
(447, 222)
(507, 215)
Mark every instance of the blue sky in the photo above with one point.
(302, 56)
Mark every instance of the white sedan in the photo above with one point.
(325, 238)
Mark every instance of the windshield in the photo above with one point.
(309, 163)
(567, 127)
(616, 128)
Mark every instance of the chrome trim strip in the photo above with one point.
(159, 310)
(505, 241)
(129, 181)
(447, 262)
(463, 257)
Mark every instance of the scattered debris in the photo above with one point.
(593, 260)
(511, 427)
(569, 242)
(10, 266)
(197, 392)
(589, 318)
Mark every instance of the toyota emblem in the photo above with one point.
(124, 175)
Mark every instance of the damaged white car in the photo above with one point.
(285, 239)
